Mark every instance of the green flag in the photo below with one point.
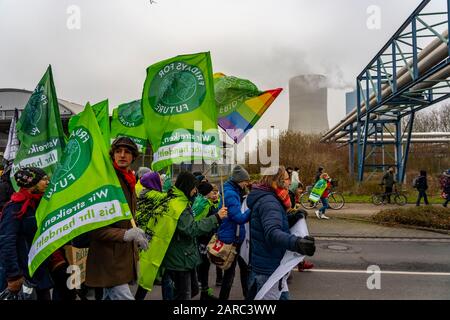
(84, 192)
(180, 111)
(39, 130)
(128, 121)
(101, 111)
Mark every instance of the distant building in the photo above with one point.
(308, 104)
(11, 99)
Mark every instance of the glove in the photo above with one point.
(295, 216)
(137, 235)
(305, 246)
(15, 285)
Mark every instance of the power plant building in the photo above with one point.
(308, 104)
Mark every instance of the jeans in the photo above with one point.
(324, 205)
(228, 277)
(256, 282)
(120, 292)
(2, 279)
(183, 284)
(421, 195)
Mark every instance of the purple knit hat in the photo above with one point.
(152, 181)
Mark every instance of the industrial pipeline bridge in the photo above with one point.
(411, 72)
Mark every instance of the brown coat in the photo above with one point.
(112, 261)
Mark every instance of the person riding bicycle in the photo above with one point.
(318, 174)
(324, 198)
(388, 181)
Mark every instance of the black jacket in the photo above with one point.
(421, 183)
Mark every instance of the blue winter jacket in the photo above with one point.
(16, 237)
(233, 201)
(269, 231)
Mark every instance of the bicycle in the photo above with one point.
(379, 198)
(336, 199)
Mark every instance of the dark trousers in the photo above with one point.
(184, 284)
(228, 278)
(447, 200)
(421, 195)
(203, 272)
(387, 194)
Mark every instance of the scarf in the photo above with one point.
(129, 176)
(29, 200)
(283, 196)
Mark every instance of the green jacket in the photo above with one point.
(183, 254)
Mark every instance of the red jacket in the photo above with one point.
(327, 191)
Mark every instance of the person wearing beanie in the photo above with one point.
(17, 229)
(113, 250)
(151, 202)
(234, 191)
(205, 205)
(182, 256)
(139, 173)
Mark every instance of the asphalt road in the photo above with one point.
(410, 269)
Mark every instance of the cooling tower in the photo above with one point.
(308, 104)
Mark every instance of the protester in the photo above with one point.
(112, 258)
(150, 197)
(6, 188)
(17, 229)
(206, 204)
(269, 229)
(324, 198)
(388, 181)
(182, 256)
(139, 173)
(234, 191)
(318, 174)
(445, 185)
(295, 180)
(420, 183)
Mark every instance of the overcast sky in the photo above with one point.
(265, 41)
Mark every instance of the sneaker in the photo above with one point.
(317, 214)
(208, 294)
(323, 216)
(305, 265)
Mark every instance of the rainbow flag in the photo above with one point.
(240, 104)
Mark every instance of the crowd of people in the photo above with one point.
(270, 210)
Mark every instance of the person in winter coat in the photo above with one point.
(206, 204)
(234, 191)
(182, 256)
(421, 185)
(388, 181)
(139, 174)
(17, 229)
(6, 188)
(150, 196)
(269, 229)
(113, 250)
(445, 184)
(324, 198)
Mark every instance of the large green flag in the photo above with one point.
(128, 121)
(84, 193)
(101, 111)
(39, 129)
(180, 112)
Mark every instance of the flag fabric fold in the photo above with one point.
(180, 112)
(240, 104)
(75, 202)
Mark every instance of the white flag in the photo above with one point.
(13, 143)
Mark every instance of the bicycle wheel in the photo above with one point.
(305, 202)
(377, 199)
(336, 200)
(400, 199)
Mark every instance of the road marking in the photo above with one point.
(382, 272)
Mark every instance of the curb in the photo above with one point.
(440, 231)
